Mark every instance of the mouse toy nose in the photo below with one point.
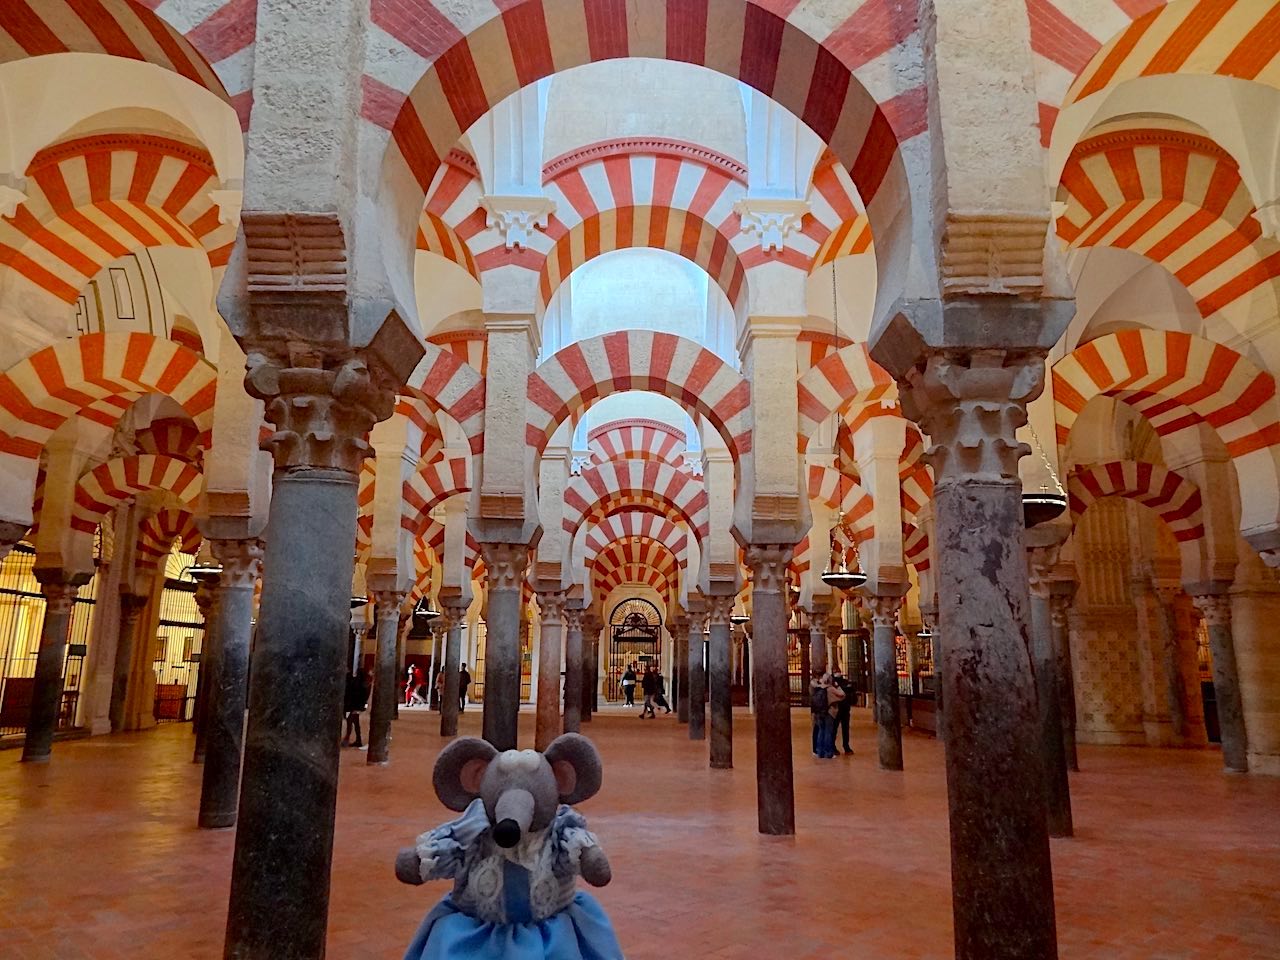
(507, 833)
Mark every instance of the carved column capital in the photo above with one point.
(439, 628)
(1059, 609)
(884, 610)
(505, 564)
(131, 607)
(241, 562)
(678, 627)
(1166, 593)
(551, 603)
(59, 596)
(10, 533)
(1041, 562)
(818, 622)
(453, 611)
(388, 604)
(1271, 557)
(592, 625)
(768, 566)
(719, 609)
(971, 405)
(323, 404)
(204, 599)
(1215, 608)
(573, 618)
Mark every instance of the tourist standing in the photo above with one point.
(629, 684)
(823, 722)
(464, 681)
(649, 686)
(843, 709)
(660, 693)
(355, 702)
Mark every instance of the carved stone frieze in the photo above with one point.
(971, 404)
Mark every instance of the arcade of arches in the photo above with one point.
(550, 336)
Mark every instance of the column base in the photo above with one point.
(1265, 764)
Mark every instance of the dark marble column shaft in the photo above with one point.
(386, 686)
(591, 627)
(719, 675)
(1059, 608)
(1048, 701)
(775, 793)
(131, 607)
(455, 617)
(206, 676)
(505, 565)
(818, 659)
(680, 669)
(971, 403)
(1216, 610)
(697, 675)
(46, 691)
(232, 616)
(884, 643)
(1171, 659)
(574, 666)
(547, 722)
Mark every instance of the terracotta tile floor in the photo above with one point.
(100, 858)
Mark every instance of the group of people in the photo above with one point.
(415, 686)
(652, 684)
(830, 700)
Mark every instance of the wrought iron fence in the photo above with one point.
(21, 618)
(178, 649)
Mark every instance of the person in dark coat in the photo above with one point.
(842, 709)
(649, 684)
(355, 702)
(629, 684)
(660, 694)
(464, 681)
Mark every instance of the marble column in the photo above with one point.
(971, 403)
(207, 676)
(591, 627)
(232, 616)
(884, 616)
(438, 641)
(1044, 662)
(805, 642)
(720, 680)
(11, 533)
(505, 565)
(1171, 660)
(131, 607)
(387, 605)
(574, 666)
(454, 613)
(1216, 610)
(59, 591)
(697, 672)
(775, 792)
(819, 660)
(547, 724)
(322, 409)
(679, 630)
(1060, 596)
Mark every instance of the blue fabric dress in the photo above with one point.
(513, 904)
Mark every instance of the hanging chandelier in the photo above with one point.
(424, 611)
(1047, 503)
(838, 576)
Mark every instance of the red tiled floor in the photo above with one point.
(100, 858)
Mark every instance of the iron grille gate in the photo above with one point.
(21, 619)
(635, 636)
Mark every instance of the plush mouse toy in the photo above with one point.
(513, 856)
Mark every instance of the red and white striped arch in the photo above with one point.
(431, 485)
(598, 491)
(470, 346)
(93, 200)
(107, 485)
(171, 437)
(643, 561)
(1177, 381)
(837, 222)
(842, 379)
(1171, 495)
(1204, 37)
(436, 236)
(576, 376)
(450, 385)
(460, 62)
(915, 546)
(637, 439)
(157, 533)
(98, 376)
(1177, 199)
(843, 494)
(637, 523)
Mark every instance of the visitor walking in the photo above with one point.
(439, 689)
(409, 685)
(419, 679)
(820, 703)
(464, 682)
(660, 694)
(843, 709)
(629, 684)
(649, 686)
(355, 702)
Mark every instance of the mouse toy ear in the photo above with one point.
(577, 767)
(459, 770)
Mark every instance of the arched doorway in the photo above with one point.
(635, 636)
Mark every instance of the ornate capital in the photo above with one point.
(505, 564)
(59, 596)
(591, 625)
(1040, 564)
(573, 617)
(771, 220)
(516, 218)
(204, 600)
(551, 603)
(454, 610)
(884, 610)
(719, 609)
(11, 533)
(1059, 609)
(388, 604)
(131, 607)
(1166, 593)
(768, 566)
(678, 627)
(971, 404)
(241, 562)
(1215, 608)
(818, 622)
(1270, 557)
(323, 404)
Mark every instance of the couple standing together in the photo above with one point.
(830, 700)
